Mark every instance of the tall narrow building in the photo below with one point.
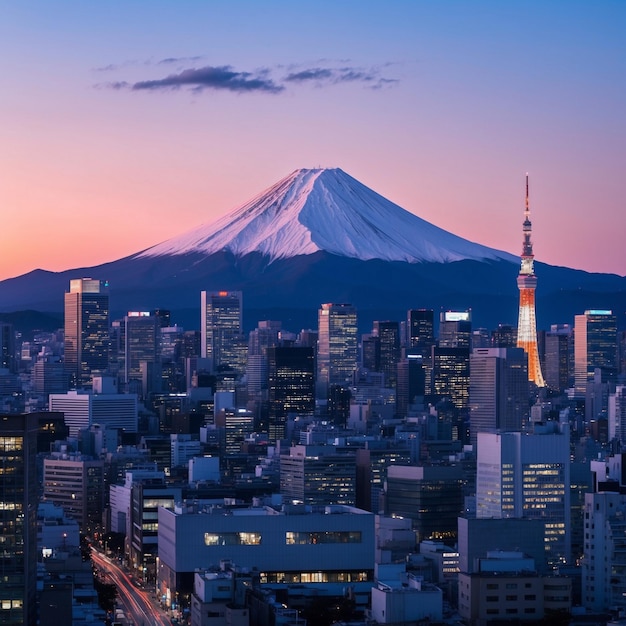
(222, 321)
(337, 346)
(18, 519)
(527, 322)
(86, 330)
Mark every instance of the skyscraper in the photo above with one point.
(388, 333)
(337, 345)
(455, 329)
(18, 519)
(528, 475)
(140, 343)
(595, 345)
(221, 327)
(498, 390)
(420, 330)
(7, 347)
(291, 386)
(559, 349)
(451, 375)
(527, 283)
(86, 329)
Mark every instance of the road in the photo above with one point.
(137, 604)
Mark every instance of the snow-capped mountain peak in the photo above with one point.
(325, 209)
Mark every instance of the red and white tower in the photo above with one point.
(527, 323)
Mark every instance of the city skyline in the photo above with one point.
(127, 125)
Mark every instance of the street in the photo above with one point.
(139, 606)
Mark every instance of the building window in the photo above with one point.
(305, 538)
(232, 539)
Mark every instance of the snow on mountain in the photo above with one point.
(325, 209)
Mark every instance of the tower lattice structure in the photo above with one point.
(527, 283)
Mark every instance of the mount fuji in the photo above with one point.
(325, 210)
(319, 235)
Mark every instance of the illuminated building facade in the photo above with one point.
(595, 345)
(388, 333)
(527, 322)
(18, 519)
(141, 332)
(455, 329)
(337, 345)
(558, 356)
(451, 375)
(86, 330)
(221, 327)
(7, 347)
(327, 547)
(431, 496)
(420, 329)
(522, 475)
(498, 390)
(77, 485)
(318, 474)
(291, 387)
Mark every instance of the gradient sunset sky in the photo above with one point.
(127, 123)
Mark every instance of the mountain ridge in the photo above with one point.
(325, 209)
(272, 281)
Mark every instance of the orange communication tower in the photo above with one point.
(527, 322)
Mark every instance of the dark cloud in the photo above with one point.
(224, 77)
(117, 85)
(317, 73)
(213, 78)
(328, 75)
(170, 60)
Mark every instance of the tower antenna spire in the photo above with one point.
(527, 203)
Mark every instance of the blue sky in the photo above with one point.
(125, 123)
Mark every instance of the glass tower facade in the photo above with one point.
(86, 330)
(221, 327)
(291, 386)
(18, 519)
(337, 345)
(595, 345)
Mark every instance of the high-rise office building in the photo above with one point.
(77, 485)
(505, 336)
(604, 562)
(451, 375)
(431, 496)
(498, 390)
(337, 345)
(83, 409)
(317, 475)
(370, 352)
(595, 345)
(558, 357)
(260, 339)
(528, 475)
(411, 381)
(140, 335)
(617, 415)
(86, 329)
(221, 328)
(7, 347)
(291, 371)
(455, 329)
(388, 332)
(527, 283)
(420, 330)
(18, 519)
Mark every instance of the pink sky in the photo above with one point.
(440, 107)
